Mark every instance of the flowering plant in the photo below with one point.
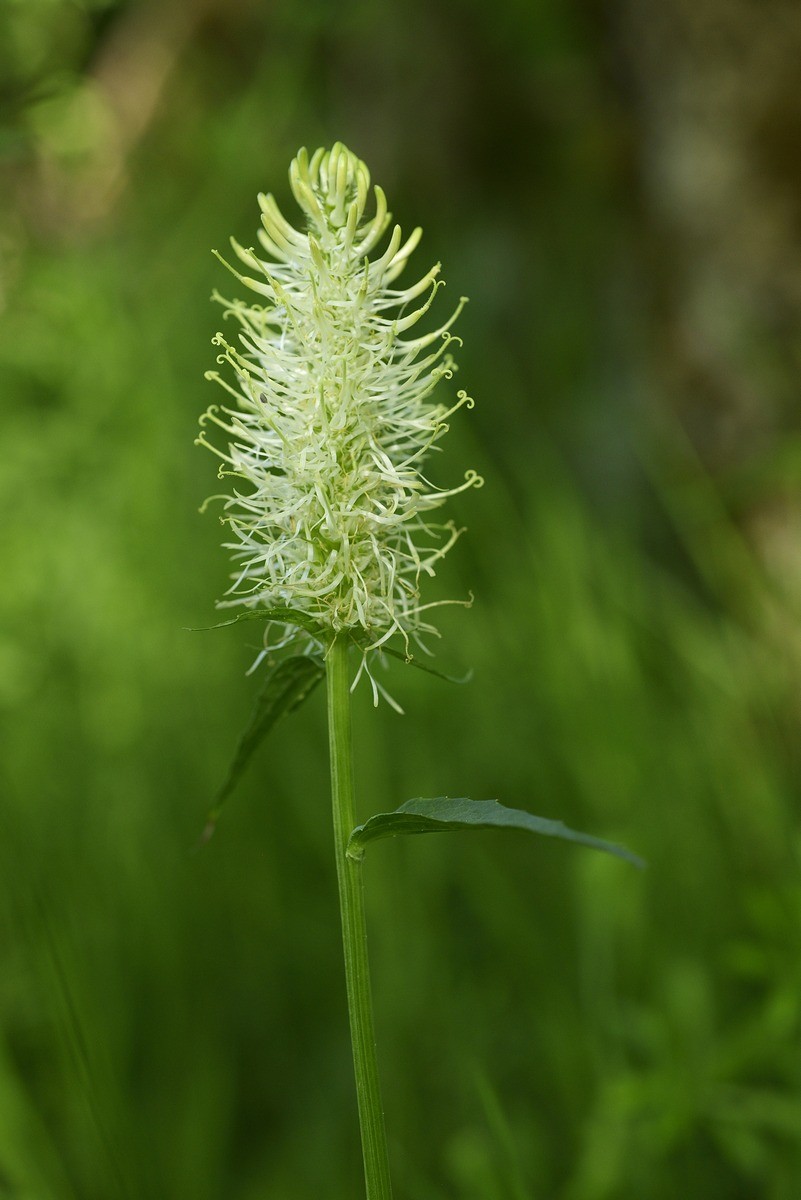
(332, 423)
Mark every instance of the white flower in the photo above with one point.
(331, 419)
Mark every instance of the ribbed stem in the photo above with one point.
(354, 930)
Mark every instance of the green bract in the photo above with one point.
(332, 418)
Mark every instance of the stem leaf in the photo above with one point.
(443, 814)
(287, 616)
(421, 666)
(285, 687)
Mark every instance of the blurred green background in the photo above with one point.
(616, 186)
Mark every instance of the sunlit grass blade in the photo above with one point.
(285, 687)
(442, 815)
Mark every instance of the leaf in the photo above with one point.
(288, 616)
(413, 662)
(284, 689)
(443, 814)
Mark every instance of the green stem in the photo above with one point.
(354, 930)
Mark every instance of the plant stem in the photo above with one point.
(354, 929)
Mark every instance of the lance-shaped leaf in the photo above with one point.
(443, 814)
(421, 666)
(285, 688)
(286, 616)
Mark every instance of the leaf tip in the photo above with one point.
(206, 834)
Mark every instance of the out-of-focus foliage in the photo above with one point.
(551, 1023)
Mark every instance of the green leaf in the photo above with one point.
(288, 616)
(443, 814)
(421, 666)
(285, 688)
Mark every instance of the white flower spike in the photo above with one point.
(332, 419)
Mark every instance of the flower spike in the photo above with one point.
(332, 419)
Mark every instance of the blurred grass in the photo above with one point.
(550, 1023)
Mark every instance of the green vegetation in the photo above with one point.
(551, 1022)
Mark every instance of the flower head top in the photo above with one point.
(331, 420)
